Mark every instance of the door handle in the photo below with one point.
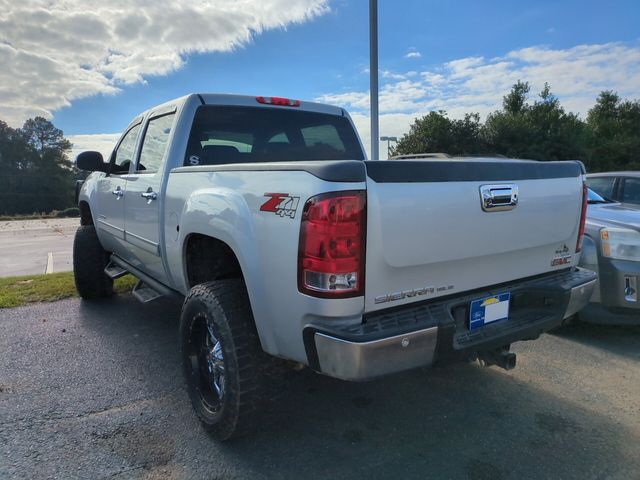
(498, 198)
(150, 195)
(118, 192)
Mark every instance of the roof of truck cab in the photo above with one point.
(628, 173)
(251, 101)
(233, 100)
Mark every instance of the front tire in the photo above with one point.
(89, 261)
(221, 356)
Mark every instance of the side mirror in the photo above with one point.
(91, 161)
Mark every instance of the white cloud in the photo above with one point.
(391, 125)
(413, 55)
(101, 142)
(54, 52)
(477, 84)
(392, 75)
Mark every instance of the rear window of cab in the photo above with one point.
(232, 134)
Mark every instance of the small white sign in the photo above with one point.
(496, 311)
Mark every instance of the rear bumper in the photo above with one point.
(579, 297)
(352, 360)
(424, 334)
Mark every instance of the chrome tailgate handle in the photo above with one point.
(498, 198)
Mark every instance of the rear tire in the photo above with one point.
(89, 261)
(222, 358)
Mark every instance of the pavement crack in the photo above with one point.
(94, 413)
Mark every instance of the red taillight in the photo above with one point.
(331, 253)
(583, 217)
(283, 102)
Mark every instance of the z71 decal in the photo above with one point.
(281, 204)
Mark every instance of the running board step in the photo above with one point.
(113, 271)
(144, 293)
(147, 289)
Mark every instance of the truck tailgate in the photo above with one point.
(428, 234)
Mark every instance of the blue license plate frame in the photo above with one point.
(487, 310)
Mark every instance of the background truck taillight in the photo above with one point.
(331, 253)
(583, 217)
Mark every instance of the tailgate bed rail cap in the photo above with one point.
(470, 170)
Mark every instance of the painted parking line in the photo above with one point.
(25, 246)
(49, 268)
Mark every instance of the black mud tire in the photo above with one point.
(89, 261)
(224, 305)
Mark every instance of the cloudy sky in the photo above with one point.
(92, 65)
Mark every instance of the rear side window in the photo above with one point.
(631, 191)
(123, 156)
(602, 185)
(227, 134)
(154, 146)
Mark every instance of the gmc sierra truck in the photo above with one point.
(286, 243)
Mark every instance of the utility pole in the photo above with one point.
(373, 74)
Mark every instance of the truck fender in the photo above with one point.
(223, 214)
(86, 192)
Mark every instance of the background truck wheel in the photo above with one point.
(89, 260)
(222, 357)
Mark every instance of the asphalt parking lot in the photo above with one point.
(94, 390)
(30, 247)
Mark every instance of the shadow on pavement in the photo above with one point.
(111, 403)
(621, 340)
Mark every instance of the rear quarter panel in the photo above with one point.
(226, 205)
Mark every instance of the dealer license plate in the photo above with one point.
(489, 310)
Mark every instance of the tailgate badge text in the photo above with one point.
(391, 297)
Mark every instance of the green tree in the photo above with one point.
(542, 130)
(436, 132)
(515, 101)
(37, 174)
(539, 131)
(614, 133)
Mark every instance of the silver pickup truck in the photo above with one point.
(286, 243)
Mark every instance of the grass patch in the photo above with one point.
(17, 291)
(73, 212)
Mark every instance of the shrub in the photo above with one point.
(68, 212)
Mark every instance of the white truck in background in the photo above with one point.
(285, 242)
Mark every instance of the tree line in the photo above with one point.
(608, 139)
(36, 175)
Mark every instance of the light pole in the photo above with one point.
(389, 140)
(373, 76)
